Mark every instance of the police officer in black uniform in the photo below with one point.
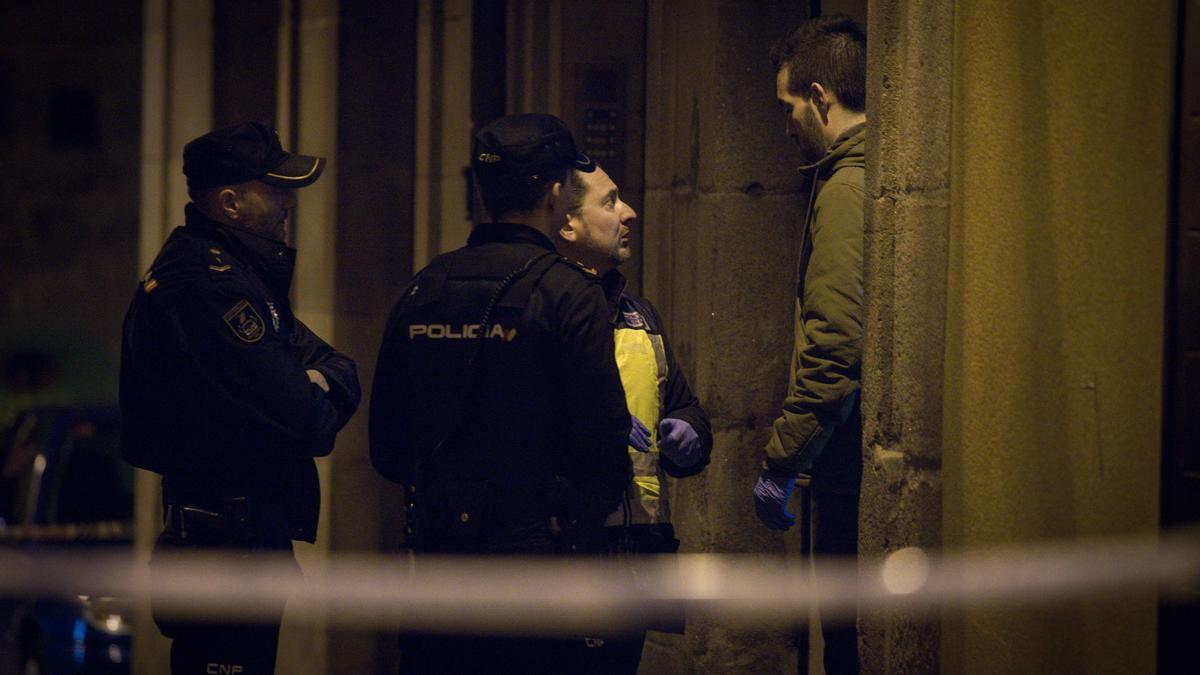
(224, 392)
(496, 400)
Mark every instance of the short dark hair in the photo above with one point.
(576, 192)
(831, 50)
(503, 197)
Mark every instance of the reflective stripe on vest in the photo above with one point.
(642, 361)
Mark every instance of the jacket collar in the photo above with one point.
(613, 284)
(272, 261)
(485, 233)
(847, 150)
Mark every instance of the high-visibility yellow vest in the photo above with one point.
(642, 361)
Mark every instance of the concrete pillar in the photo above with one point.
(311, 94)
(909, 94)
(534, 51)
(176, 107)
(722, 209)
(443, 143)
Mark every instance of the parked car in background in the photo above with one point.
(65, 487)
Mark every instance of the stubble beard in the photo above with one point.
(811, 138)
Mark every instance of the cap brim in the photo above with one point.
(584, 163)
(296, 171)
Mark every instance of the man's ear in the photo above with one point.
(553, 195)
(567, 232)
(228, 202)
(822, 99)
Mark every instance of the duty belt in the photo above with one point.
(226, 520)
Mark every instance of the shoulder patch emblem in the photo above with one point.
(245, 322)
(148, 282)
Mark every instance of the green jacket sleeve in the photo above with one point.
(826, 361)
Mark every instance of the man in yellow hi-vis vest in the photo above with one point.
(671, 435)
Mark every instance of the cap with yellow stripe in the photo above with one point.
(295, 172)
(245, 152)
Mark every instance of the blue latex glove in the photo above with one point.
(639, 435)
(679, 442)
(771, 494)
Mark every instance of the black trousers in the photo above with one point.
(204, 647)
(225, 648)
(425, 653)
(614, 655)
(835, 533)
(607, 656)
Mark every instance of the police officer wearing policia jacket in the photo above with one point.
(496, 399)
(224, 392)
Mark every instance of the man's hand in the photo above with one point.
(318, 379)
(639, 435)
(771, 494)
(679, 442)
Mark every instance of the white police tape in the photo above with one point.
(579, 595)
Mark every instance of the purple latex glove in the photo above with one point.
(679, 442)
(771, 494)
(639, 435)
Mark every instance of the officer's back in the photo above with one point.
(496, 400)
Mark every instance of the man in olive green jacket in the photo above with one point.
(821, 83)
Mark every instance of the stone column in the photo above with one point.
(909, 87)
(1014, 310)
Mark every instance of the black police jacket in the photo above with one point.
(214, 394)
(538, 419)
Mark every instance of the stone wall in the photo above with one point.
(722, 208)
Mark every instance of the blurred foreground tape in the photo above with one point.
(574, 595)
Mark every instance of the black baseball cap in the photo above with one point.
(525, 147)
(244, 152)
